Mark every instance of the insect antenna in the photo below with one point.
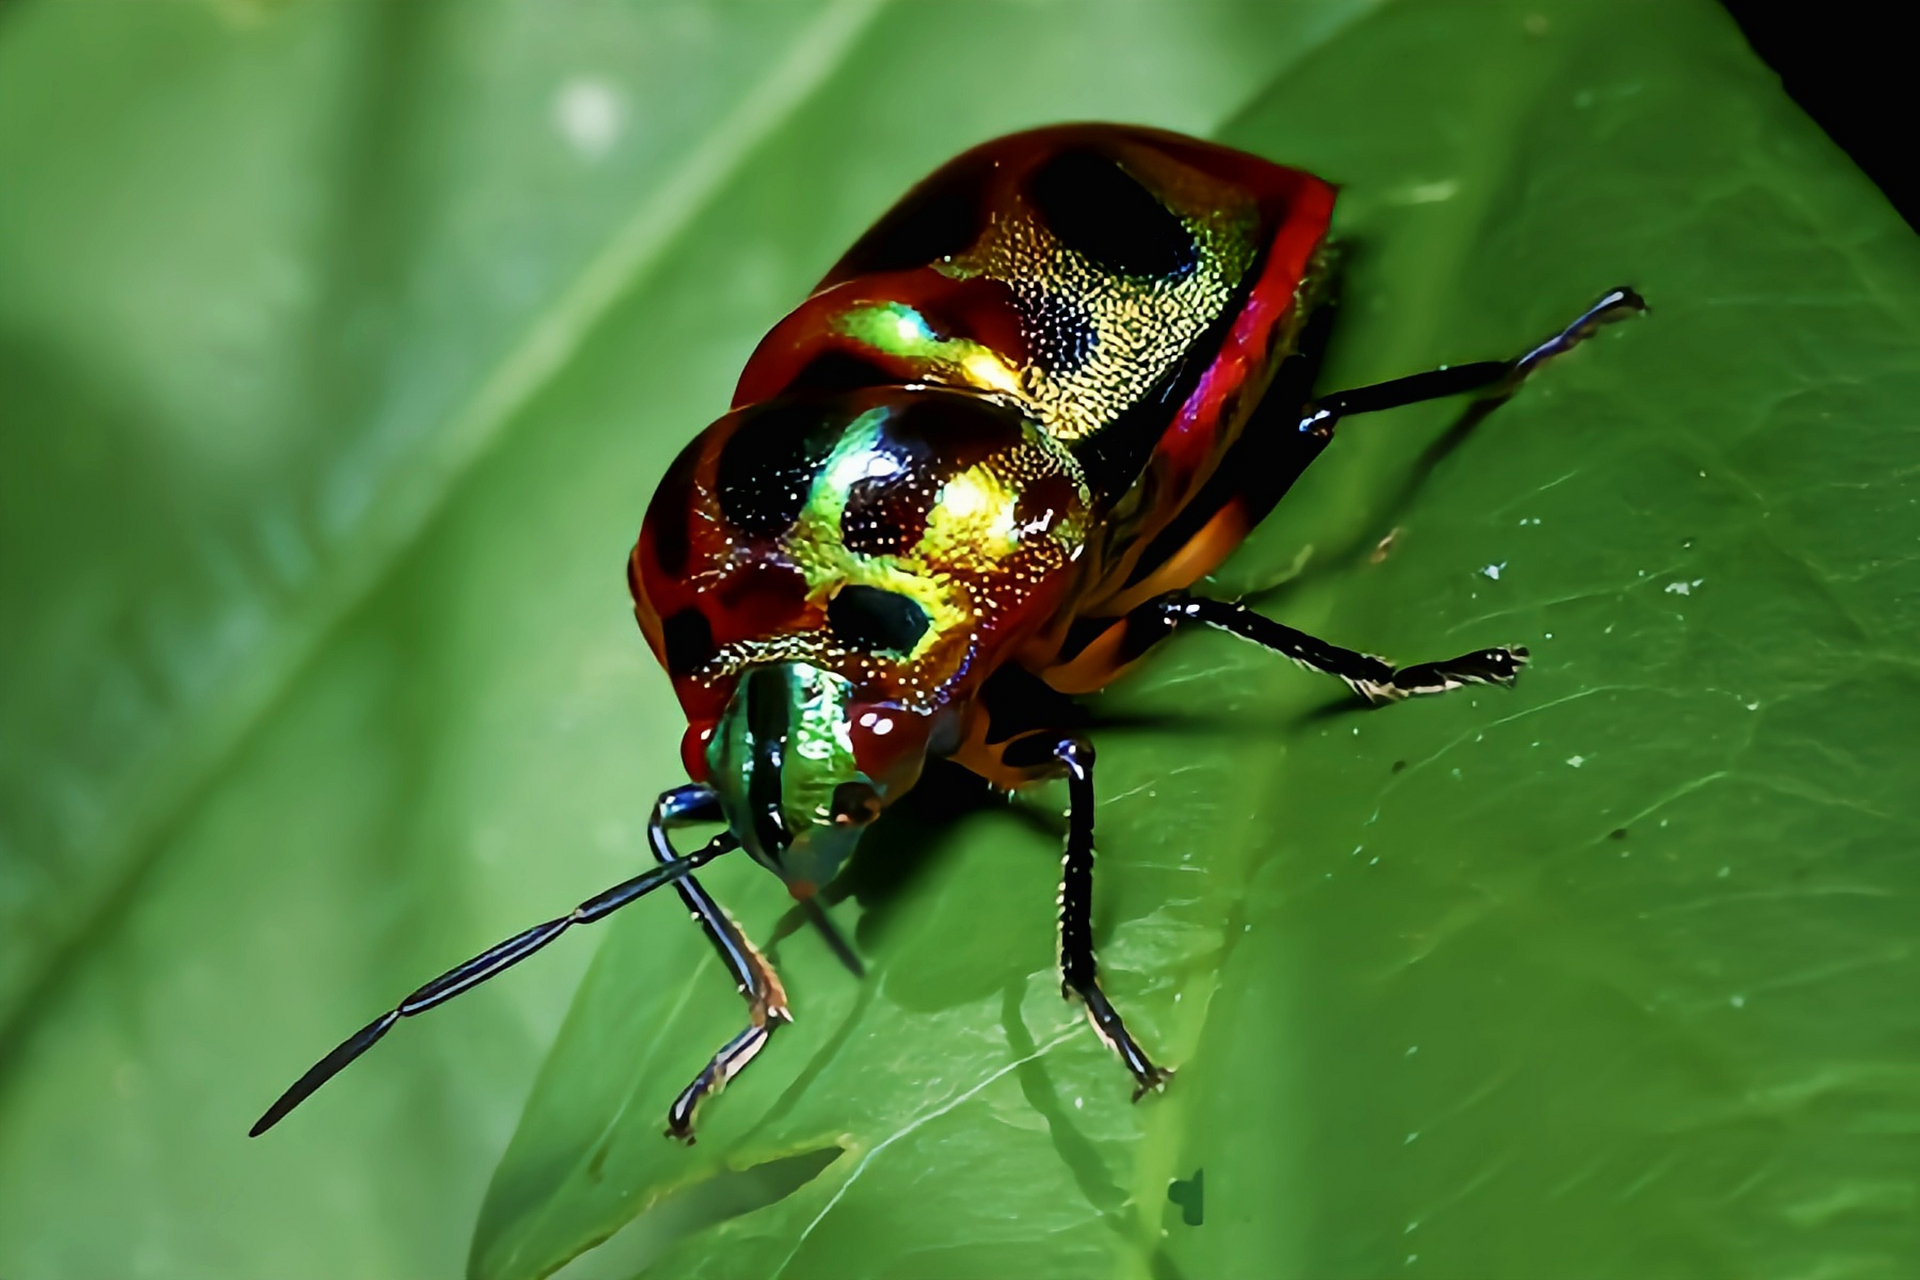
(493, 960)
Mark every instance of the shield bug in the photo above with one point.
(976, 470)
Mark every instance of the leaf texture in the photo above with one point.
(343, 344)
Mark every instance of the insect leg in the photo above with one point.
(1078, 976)
(1372, 678)
(488, 963)
(1498, 377)
(757, 982)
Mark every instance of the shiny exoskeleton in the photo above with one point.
(974, 472)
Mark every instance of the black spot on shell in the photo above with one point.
(869, 618)
(1057, 332)
(838, 371)
(768, 466)
(1100, 210)
(958, 428)
(689, 641)
(669, 511)
(886, 517)
(931, 435)
(941, 217)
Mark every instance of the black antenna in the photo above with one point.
(494, 960)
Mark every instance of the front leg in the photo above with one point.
(758, 984)
(1370, 677)
(1078, 976)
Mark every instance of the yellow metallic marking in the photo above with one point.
(900, 330)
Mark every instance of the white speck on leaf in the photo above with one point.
(590, 113)
(1493, 570)
(1738, 1002)
(1431, 192)
(1576, 761)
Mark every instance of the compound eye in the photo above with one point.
(869, 618)
(855, 804)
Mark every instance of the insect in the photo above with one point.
(974, 474)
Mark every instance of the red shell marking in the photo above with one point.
(966, 438)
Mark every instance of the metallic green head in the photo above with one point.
(782, 762)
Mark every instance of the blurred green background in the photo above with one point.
(341, 345)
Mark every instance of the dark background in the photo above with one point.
(1849, 65)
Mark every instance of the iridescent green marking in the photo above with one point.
(972, 527)
(900, 330)
(821, 555)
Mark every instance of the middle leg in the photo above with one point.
(1372, 678)
(1078, 972)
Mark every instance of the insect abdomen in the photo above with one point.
(1128, 289)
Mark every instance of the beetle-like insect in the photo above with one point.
(977, 470)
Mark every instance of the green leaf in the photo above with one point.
(1605, 976)
(319, 260)
(342, 345)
